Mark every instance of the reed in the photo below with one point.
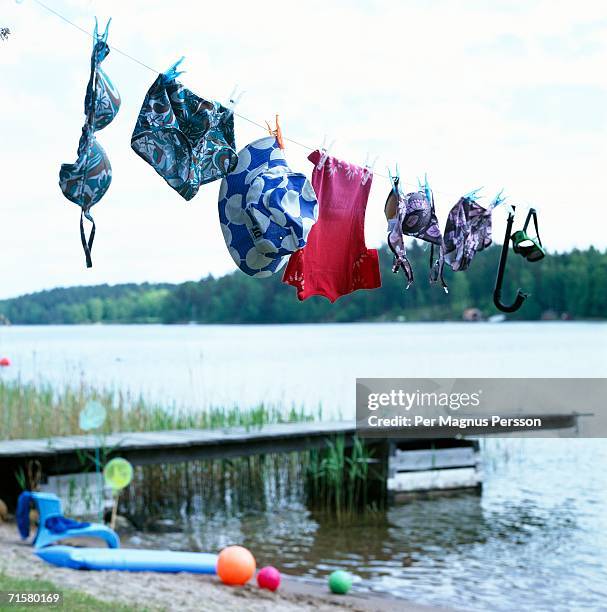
(38, 411)
(229, 487)
(342, 481)
(338, 480)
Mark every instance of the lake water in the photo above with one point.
(535, 539)
(202, 365)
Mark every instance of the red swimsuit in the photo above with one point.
(335, 260)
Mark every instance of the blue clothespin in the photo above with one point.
(427, 189)
(472, 195)
(498, 199)
(394, 180)
(171, 74)
(103, 37)
(107, 27)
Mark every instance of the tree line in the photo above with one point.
(572, 285)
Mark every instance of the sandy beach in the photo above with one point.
(186, 591)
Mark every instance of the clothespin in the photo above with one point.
(497, 200)
(427, 189)
(394, 180)
(100, 38)
(324, 152)
(171, 74)
(368, 169)
(277, 133)
(472, 195)
(107, 28)
(235, 97)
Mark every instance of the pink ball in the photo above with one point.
(268, 578)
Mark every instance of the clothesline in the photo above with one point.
(239, 115)
(155, 71)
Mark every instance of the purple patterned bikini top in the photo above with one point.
(467, 231)
(413, 215)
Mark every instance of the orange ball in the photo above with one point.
(235, 565)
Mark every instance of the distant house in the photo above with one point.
(472, 314)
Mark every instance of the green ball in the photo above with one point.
(340, 582)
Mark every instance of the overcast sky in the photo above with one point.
(498, 94)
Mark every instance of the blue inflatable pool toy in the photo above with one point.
(129, 559)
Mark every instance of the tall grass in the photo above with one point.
(38, 411)
(344, 481)
(338, 480)
(229, 487)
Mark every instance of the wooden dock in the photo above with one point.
(71, 454)
(62, 455)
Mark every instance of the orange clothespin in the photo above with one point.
(277, 133)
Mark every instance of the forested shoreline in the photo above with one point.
(568, 285)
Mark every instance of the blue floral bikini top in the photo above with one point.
(188, 140)
(86, 181)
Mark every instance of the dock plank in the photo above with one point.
(418, 460)
(59, 455)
